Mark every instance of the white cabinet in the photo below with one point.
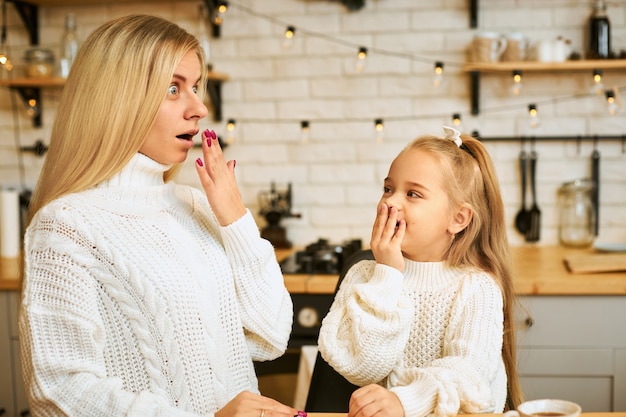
(574, 348)
(12, 395)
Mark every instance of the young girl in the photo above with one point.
(143, 297)
(427, 327)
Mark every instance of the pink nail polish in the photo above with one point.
(302, 413)
(199, 162)
(208, 142)
(206, 133)
(234, 163)
(212, 134)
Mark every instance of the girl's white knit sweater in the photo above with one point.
(138, 303)
(432, 335)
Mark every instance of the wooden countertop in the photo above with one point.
(539, 271)
(602, 414)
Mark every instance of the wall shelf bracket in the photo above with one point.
(214, 90)
(475, 91)
(30, 16)
(473, 14)
(212, 7)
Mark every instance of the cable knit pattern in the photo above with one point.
(137, 302)
(432, 335)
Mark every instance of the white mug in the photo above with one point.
(543, 50)
(545, 408)
(488, 47)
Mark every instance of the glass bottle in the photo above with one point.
(576, 213)
(69, 45)
(599, 32)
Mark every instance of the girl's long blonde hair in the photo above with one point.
(110, 101)
(469, 177)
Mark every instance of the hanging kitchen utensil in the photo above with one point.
(595, 177)
(522, 219)
(534, 230)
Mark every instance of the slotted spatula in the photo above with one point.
(534, 231)
(522, 219)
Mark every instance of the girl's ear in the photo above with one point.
(462, 217)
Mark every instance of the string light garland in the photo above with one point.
(362, 56)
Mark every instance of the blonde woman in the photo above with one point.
(427, 327)
(143, 297)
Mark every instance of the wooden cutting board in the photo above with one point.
(591, 263)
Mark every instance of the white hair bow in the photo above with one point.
(453, 135)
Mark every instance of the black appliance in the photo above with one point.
(321, 257)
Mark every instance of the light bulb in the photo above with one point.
(597, 87)
(290, 33)
(438, 79)
(219, 12)
(5, 62)
(611, 103)
(380, 130)
(517, 83)
(361, 58)
(230, 131)
(456, 121)
(533, 116)
(31, 107)
(305, 131)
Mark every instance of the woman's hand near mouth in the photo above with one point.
(387, 235)
(218, 181)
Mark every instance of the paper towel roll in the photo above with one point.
(10, 229)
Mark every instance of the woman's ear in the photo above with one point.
(462, 217)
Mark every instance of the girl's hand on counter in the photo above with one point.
(375, 400)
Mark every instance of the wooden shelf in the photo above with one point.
(33, 82)
(475, 69)
(45, 3)
(581, 65)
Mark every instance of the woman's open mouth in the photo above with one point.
(185, 136)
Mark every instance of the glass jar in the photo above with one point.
(39, 63)
(577, 213)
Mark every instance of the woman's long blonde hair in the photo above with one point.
(470, 177)
(110, 101)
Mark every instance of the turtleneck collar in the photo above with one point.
(139, 182)
(430, 275)
(140, 171)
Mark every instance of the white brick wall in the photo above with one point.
(337, 176)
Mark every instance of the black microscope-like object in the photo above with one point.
(275, 206)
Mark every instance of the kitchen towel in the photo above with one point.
(10, 230)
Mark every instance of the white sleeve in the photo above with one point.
(366, 330)
(265, 304)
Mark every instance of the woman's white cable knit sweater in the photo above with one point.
(137, 303)
(432, 335)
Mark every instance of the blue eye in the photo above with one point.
(173, 89)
